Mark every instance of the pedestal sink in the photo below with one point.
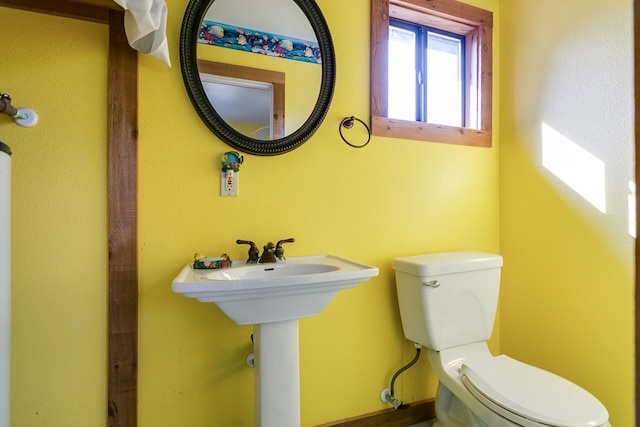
(273, 297)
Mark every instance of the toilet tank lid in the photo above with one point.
(446, 263)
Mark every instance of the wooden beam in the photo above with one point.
(123, 260)
(65, 8)
(108, 4)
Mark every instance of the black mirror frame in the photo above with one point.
(194, 14)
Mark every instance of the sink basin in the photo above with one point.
(254, 272)
(263, 293)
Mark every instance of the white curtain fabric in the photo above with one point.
(145, 23)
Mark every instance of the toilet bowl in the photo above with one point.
(447, 304)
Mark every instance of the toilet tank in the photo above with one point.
(448, 299)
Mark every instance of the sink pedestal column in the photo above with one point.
(277, 374)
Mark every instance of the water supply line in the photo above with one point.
(251, 362)
(387, 395)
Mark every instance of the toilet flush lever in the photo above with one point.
(432, 284)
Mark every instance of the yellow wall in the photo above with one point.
(59, 218)
(567, 289)
(392, 198)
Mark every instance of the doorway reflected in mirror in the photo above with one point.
(250, 100)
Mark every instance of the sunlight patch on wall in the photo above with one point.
(575, 166)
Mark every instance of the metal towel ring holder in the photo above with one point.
(347, 123)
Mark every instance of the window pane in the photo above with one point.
(402, 74)
(444, 80)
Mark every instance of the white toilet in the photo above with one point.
(448, 303)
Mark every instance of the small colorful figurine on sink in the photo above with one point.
(200, 262)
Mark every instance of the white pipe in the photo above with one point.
(5, 283)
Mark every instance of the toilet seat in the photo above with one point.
(531, 396)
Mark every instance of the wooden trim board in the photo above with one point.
(406, 415)
(65, 8)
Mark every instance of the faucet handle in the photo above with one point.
(280, 242)
(280, 249)
(253, 250)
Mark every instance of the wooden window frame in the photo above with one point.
(450, 15)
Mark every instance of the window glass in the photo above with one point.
(402, 74)
(444, 91)
(425, 80)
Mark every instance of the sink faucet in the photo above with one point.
(268, 253)
(280, 249)
(253, 251)
(271, 252)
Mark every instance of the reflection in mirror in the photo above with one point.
(233, 33)
(251, 117)
(288, 39)
(250, 100)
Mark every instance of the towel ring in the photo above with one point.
(347, 123)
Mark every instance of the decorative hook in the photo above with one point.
(348, 123)
(23, 116)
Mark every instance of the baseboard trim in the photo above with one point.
(404, 416)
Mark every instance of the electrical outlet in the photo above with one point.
(229, 184)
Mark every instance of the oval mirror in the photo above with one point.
(261, 79)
